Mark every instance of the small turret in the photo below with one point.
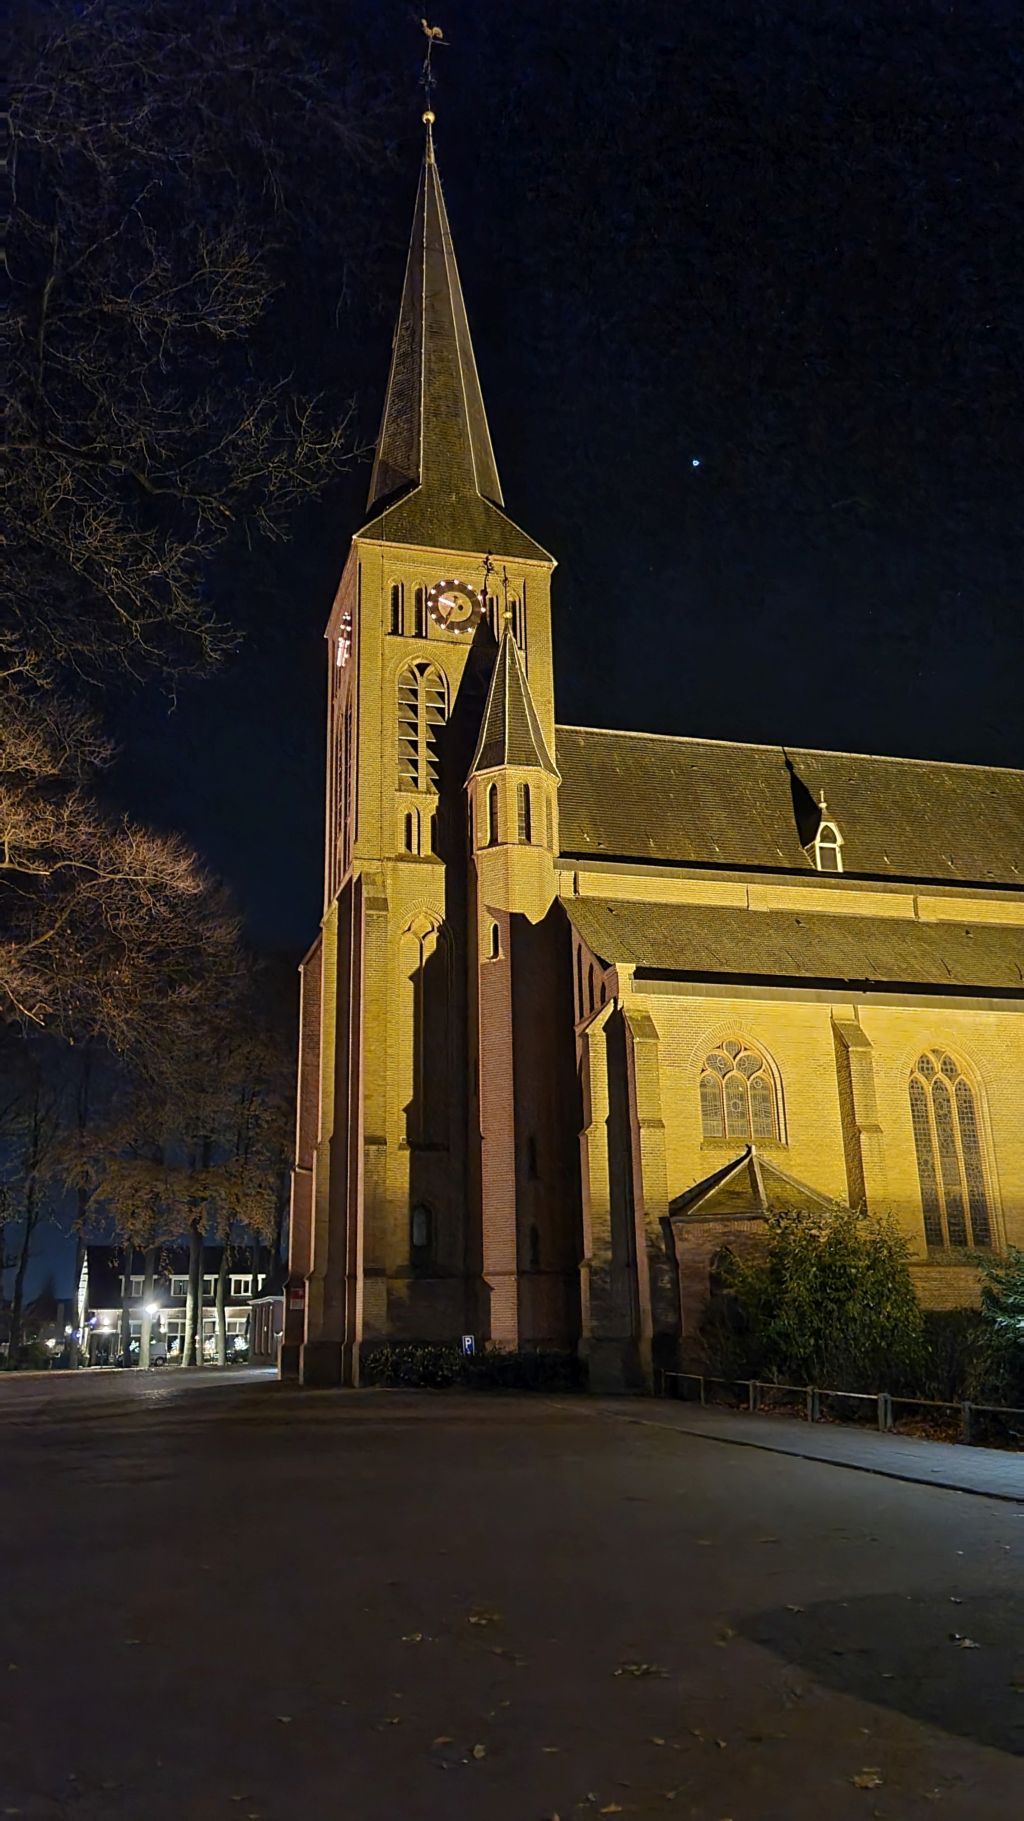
(513, 795)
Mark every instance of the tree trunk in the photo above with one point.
(222, 1332)
(146, 1331)
(126, 1296)
(194, 1293)
(28, 1227)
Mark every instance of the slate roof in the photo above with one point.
(434, 479)
(644, 797)
(702, 942)
(510, 733)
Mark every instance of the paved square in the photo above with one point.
(225, 1598)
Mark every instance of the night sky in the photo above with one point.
(779, 240)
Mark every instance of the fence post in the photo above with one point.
(813, 1403)
(966, 1414)
(884, 1410)
(703, 1395)
(753, 1394)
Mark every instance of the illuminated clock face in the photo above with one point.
(455, 606)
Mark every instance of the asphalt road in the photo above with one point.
(225, 1598)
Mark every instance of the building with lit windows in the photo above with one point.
(586, 1004)
(111, 1298)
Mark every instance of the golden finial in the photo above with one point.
(434, 35)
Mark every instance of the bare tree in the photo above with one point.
(160, 154)
(31, 1127)
(108, 930)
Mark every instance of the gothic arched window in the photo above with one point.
(947, 1139)
(397, 607)
(419, 613)
(737, 1094)
(492, 815)
(525, 811)
(422, 712)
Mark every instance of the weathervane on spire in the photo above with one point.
(434, 34)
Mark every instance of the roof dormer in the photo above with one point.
(827, 846)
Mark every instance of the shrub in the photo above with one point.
(953, 1354)
(829, 1301)
(432, 1366)
(1002, 1319)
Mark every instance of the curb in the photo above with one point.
(819, 1460)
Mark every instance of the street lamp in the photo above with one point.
(152, 1309)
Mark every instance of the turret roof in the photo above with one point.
(510, 732)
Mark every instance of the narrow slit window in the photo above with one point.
(397, 607)
(419, 613)
(494, 943)
(525, 813)
(421, 1238)
(492, 815)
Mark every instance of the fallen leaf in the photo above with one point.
(867, 1779)
(794, 1609)
(443, 1740)
(954, 1601)
(413, 1637)
(611, 1808)
(485, 1618)
(962, 1643)
(551, 1748)
(640, 1669)
(285, 1719)
(479, 1751)
(721, 1743)
(655, 1741)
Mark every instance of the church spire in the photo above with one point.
(434, 428)
(434, 480)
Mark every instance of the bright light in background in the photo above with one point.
(51, 1342)
(152, 1308)
(695, 461)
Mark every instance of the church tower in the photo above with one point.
(441, 593)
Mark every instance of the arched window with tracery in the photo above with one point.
(737, 1093)
(422, 712)
(947, 1139)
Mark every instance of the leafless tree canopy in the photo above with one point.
(156, 154)
(109, 930)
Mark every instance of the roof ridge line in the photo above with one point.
(823, 752)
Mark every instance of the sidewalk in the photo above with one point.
(988, 1472)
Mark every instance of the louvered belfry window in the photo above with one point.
(947, 1140)
(422, 712)
(737, 1094)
